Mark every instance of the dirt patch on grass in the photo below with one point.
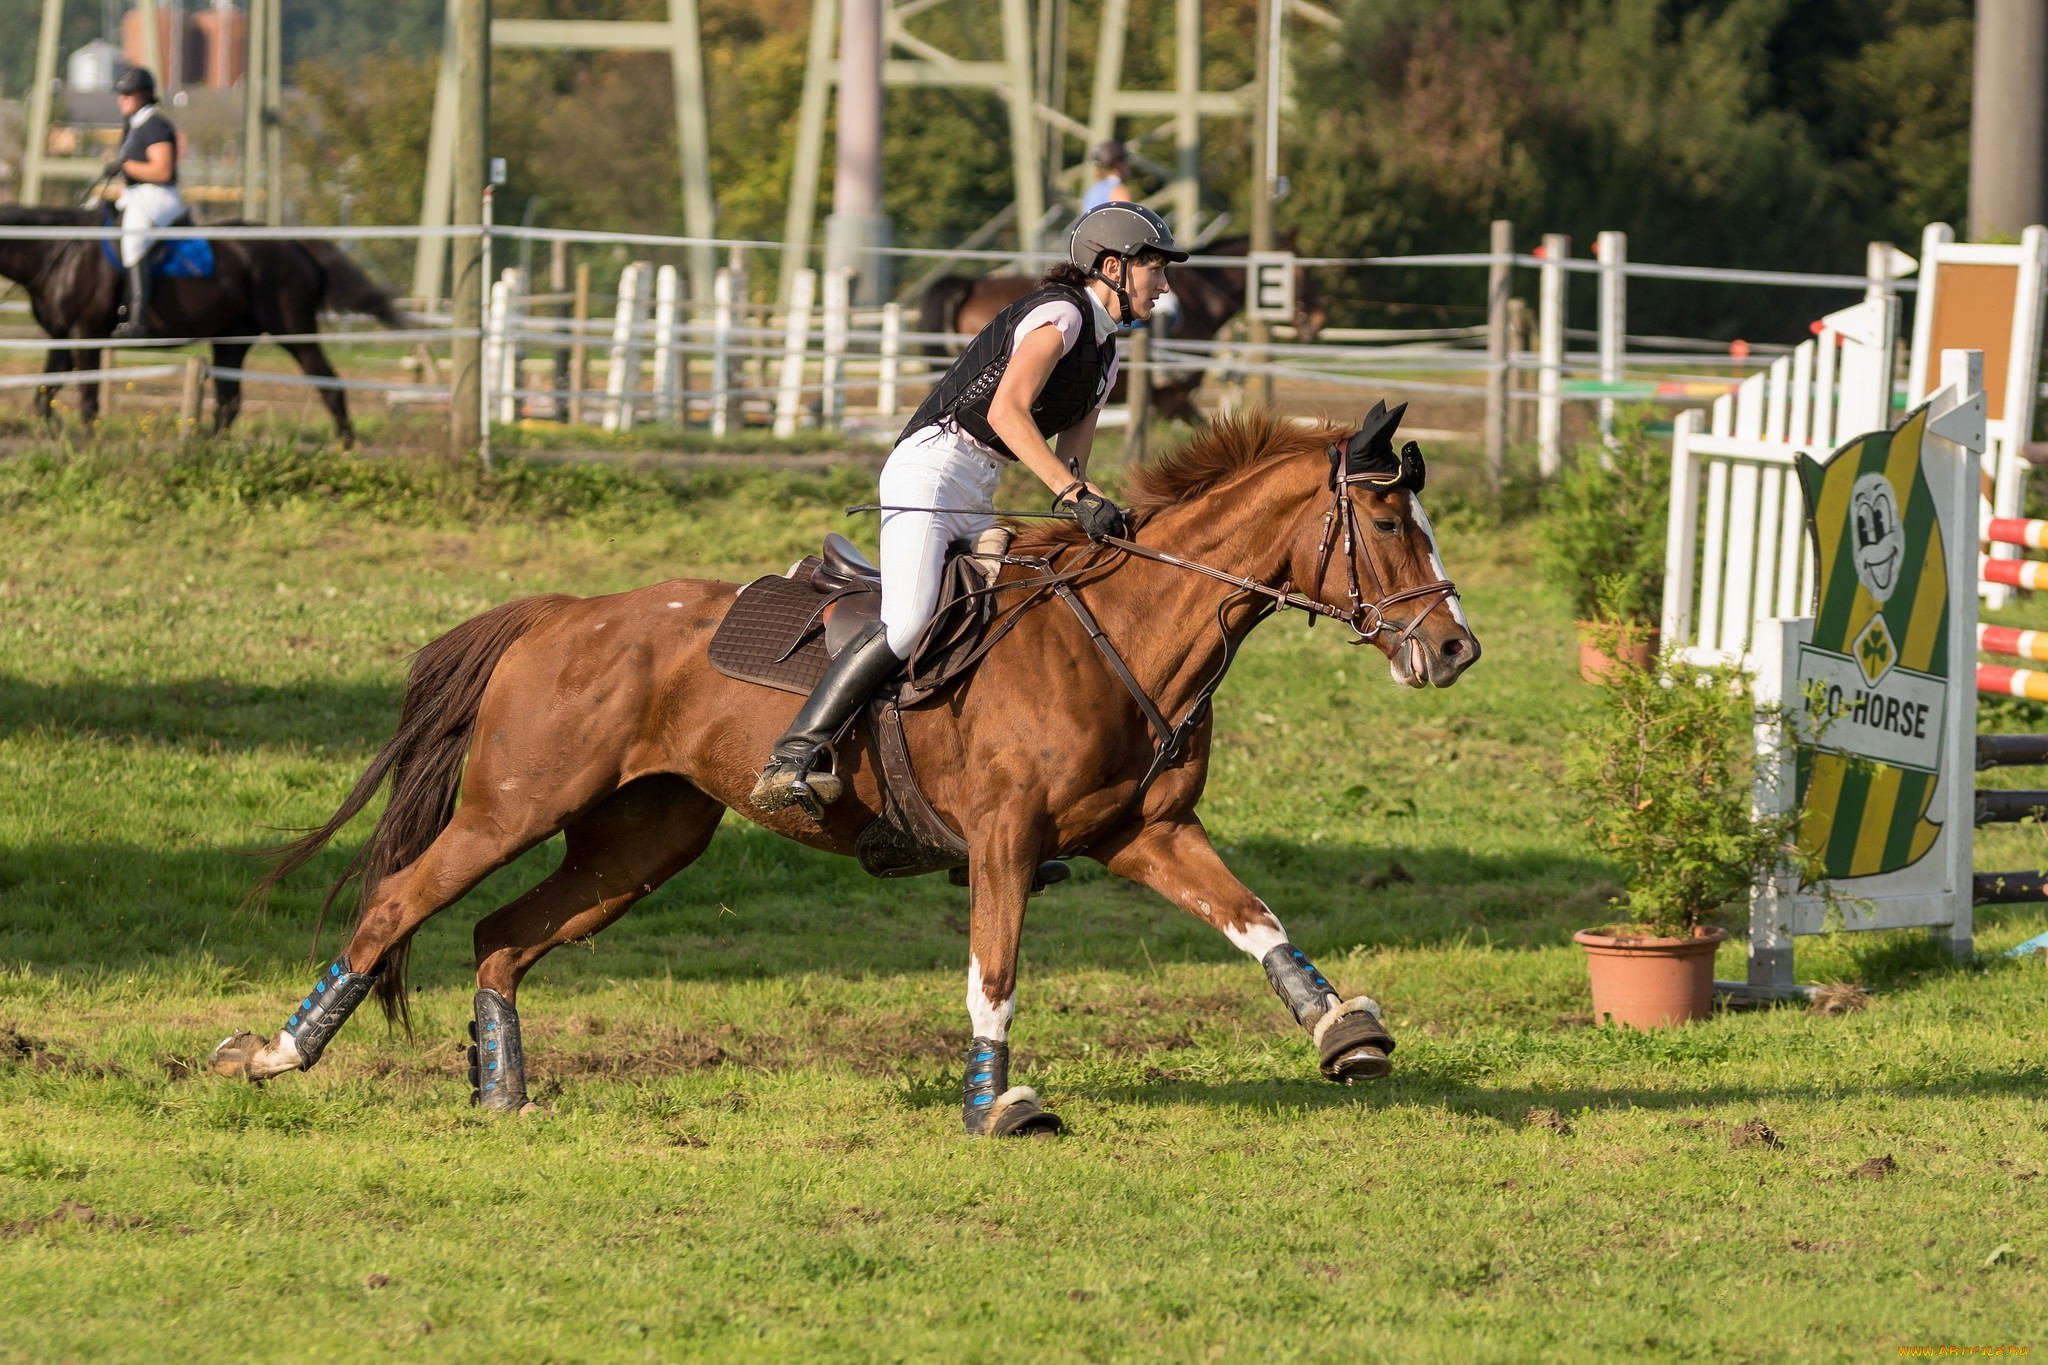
(1877, 1168)
(19, 1049)
(1755, 1133)
(1550, 1120)
(71, 1215)
(1844, 997)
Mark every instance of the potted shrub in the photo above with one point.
(1665, 776)
(1604, 518)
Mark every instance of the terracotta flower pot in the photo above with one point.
(1648, 982)
(1595, 663)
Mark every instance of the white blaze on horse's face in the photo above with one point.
(991, 1019)
(1436, 561)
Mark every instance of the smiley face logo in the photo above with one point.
(1880, 539)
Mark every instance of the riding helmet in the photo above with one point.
(136, 80)
(1120, 230)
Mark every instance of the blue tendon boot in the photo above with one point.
(334, 997)
(1350, 1039)
(992, 1107)
(497, 1063)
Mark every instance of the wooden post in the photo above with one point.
(473, 111)
(1499, 275)
(1521, 345)
(1557, 249)
(579, 349)
(273, 111)
(1256, 330)
(39, 99)
(189, 401)
(1138, 392)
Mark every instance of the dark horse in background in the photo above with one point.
(1209, 296)
(257, 288)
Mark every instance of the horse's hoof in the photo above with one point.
(1019, 1114)
(235, 1053)
(1353, 1043)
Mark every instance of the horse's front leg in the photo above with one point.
(1000, 883)
(59, 362)
(1176, 860)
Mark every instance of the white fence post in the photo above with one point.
(508, 294)
(665, 291)
(1551, 299)
(721, 348)
(838, 303)
(622, 381)
(892, 345)
(1613, 251)
(790, 392)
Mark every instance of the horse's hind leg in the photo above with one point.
(637, 839)
(482, 837)
(313, 361)
(227, 393)
(59, 362)
(1176, 860)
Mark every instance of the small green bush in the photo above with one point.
(1604, 518)
(1665, 776)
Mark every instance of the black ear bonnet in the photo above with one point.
(1370, 454)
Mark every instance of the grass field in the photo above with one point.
(753, 1147)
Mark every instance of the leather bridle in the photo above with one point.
(1366, 616)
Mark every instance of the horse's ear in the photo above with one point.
(1372, 449)
(1413, 472)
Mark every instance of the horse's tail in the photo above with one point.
(940, 308)
(345, 287)
(423, 762)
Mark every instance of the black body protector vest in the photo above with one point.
(960, 399)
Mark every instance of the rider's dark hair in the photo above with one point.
(1066, 272)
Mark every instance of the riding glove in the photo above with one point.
(1097, 515)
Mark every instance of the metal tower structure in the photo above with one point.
(678, 37)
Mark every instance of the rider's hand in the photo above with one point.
(1097, 515)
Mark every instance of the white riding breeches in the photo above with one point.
(939, 468)
(144, 207)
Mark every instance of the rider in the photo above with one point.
(148, 164)
(1112, 168)
(1041, 368)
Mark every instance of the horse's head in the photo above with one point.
(1375, 557)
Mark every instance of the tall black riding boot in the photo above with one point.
(849, 682)
(136, 323)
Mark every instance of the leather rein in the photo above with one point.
(1366, 616)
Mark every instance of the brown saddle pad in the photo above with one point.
(785, 630)
(775, 633)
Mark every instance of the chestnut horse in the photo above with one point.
(258, 287)
(601, 717)
(1206, 297)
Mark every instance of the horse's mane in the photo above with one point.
(1229, 446)
(30, 215)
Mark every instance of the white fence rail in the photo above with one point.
(819, 360)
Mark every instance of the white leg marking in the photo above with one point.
(1259, 939)
(991, 1021)
(1436, 561)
